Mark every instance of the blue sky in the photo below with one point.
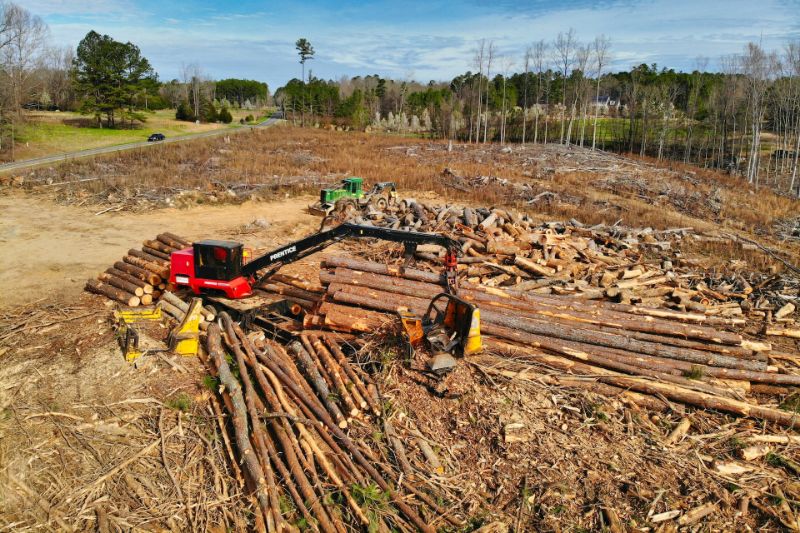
(419, 39)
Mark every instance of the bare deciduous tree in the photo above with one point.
(564, 46)
(600, 47)
(527, 69)
(22, 50)
(478, 61)
(758, 67)
(489, 58)
(539, 58)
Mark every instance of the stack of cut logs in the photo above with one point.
(297, 291)
(142, 275)
(292, 413)
(626, 265)
(681, 356)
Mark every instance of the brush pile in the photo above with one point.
(142, 275)
(306, 427)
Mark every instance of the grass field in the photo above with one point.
(50, 133)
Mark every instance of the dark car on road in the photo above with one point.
(156, 137)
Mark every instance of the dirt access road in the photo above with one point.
(51, 250)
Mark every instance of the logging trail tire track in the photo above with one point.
(50, 249)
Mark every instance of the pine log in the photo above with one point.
(156, 260)
(177, 302)
(321, 387)
(606, 358)
(239, 414)
(347, 319)
(533, 267)
(142, 274)
(285, 290)
(157, 253)
(299, 283)
(160, 246)
(354, 450)
(377, 268)
(121, 284)
(160, 270)
(178, 238)
(340, 380)
(784, 332)
(668, 390)
(282, 430)
(668, 323)
(171, 310)
(470, 218)
(615, 349)
(146, 287)
(113, 293)
(567, 308)
(785, 311)
(173, 241)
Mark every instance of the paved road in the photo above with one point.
(16, 165)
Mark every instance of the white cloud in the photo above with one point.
(261, 45)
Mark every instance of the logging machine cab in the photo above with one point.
(209, 261)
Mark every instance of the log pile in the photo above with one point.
(301, 294)
(635, 266)
(671, 355)
(141, 276)
(304, 422)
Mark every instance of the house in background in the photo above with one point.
(606, 105)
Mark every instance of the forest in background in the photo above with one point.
(744, 119)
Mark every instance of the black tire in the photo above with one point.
(381, 203)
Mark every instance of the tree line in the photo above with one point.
(743, 118)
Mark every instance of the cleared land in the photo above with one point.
(73, 411)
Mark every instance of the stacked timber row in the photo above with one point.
(142, 275)
(301, 294)
(637, 266)
(293, 413)
(681, 356)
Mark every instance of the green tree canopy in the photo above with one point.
(239, 91)
(110, 76)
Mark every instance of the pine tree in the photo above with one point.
(109, 74)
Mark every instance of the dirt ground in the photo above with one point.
(51, 249)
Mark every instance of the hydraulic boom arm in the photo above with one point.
(309, 245)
